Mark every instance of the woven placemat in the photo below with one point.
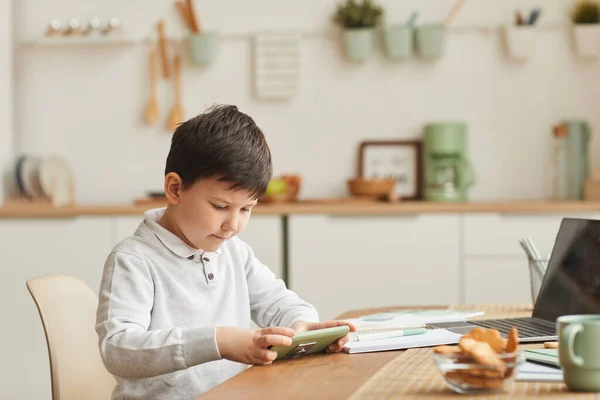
(414, 375)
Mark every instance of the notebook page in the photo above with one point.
(433, 337)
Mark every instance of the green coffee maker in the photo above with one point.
(448, 172)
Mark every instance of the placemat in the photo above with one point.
(413, 373)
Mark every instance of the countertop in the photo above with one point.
(317, 206)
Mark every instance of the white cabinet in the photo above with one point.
(340, 263)
(264, 233)
(124, 226)
(495, 266)
(32, 248)
(498, 234)
(497, 281)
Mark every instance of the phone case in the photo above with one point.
(311, 342)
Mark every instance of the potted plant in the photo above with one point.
(358, 19)
(586, 19)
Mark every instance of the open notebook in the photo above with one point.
(433, 337)
(533, 372)
(404, 319)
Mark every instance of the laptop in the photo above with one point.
(571, 285)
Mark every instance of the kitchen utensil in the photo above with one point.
(448, 171)
(430, 41)
(371, 188)
(412, 19)
(184, 14)
(579, 351)
(176, 115)
(18, 176)
(73, 28)
(204, 47)
(457, 6)
(151, 114)
(571, 143)
(94, 27)
(112, 26)
(29, 177)
(533, 17)
(519, 20)
(54, 28)
(398, 41)
(56, 179)
(195, 23)
(162, 43)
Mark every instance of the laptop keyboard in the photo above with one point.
(528, 327)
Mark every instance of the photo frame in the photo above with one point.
(399, 159)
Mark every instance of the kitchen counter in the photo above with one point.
(317, 206)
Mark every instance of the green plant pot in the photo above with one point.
(358, 44)
(398, 40)
(430, 41)
(204, 47)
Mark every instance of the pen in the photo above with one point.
(366, 336)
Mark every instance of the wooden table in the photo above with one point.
(320, 376)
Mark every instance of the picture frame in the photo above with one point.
(394, 158)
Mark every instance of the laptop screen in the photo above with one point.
(571, 284)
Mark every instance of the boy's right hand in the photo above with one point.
(251, 346)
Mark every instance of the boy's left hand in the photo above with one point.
(303, 326)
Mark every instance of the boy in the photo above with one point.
(177, 298)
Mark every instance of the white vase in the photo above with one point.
(587, 40)
(520, 41)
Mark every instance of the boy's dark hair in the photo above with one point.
(225, 143)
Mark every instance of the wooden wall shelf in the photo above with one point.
(346, 206)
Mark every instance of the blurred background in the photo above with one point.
(414, 141)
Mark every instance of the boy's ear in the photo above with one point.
(173, 187)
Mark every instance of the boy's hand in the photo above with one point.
(302, 326)
(250, 346)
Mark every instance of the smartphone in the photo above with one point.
(311, 342)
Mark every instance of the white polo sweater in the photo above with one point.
(161, 300)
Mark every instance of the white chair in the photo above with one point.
(67, 307)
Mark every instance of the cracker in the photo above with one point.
(447, 350)
(481, 352)
(513, 340)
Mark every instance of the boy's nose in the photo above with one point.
(230, 225)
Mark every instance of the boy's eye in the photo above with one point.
(245, 209)
(219, 207)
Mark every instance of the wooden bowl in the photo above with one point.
(373, 188)
(294, 182)
(278, 198)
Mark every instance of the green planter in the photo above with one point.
(398, 40)
(430, 41)
(204, 47)
(358, 44)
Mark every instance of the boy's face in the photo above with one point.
(208, 213)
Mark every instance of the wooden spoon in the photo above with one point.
(176, 116)
(162, 43)
(151, 113)
(193, 19)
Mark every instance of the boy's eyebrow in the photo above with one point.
(252, 204)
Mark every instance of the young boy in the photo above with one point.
(177, 298)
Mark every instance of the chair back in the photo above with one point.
(67, 308)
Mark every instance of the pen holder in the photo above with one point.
(520, 41)
(537, 269)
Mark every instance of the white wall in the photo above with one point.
(86, 102)
(6, 93)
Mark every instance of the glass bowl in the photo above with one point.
(465, 376)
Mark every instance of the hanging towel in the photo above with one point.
(276, 65)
